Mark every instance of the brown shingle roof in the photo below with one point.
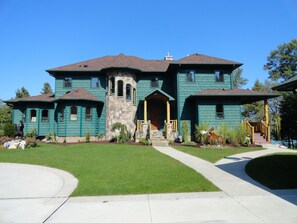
(123, 61)
(38, 98)
(245, 96)
(78, 94)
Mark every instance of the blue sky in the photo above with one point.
(38, 35)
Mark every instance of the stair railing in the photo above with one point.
(265, 130)
(250, 130)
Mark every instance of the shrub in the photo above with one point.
(88, 135)
(51, 137)
(189, 143)
(9, 130)
(238, 136)
(4, 139)
(144, 141)
(32, 133)
(123, 135)
(31, 142)
(224, 132)
(199, 136)
(101, 136)
(185, 131)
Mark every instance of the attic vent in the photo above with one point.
(85, 65)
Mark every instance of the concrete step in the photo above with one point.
(162, 143)
(259, 139)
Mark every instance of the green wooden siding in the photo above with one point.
(206, 112)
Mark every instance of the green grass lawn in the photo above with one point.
(213, 155)
(110, 169)
(278, 171)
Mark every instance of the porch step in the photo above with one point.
(259, 139)
(160, 142)
(157, 135)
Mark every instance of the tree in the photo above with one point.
(282, 62)
(22, 93)
(46, 89)
(5, 118)
(238, 80)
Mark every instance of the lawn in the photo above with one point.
(278, 171)
(110, 169)
(214, 154)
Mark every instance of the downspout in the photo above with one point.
(178, 101)
(80, 124)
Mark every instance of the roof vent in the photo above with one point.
(168, 57)
(85, 65)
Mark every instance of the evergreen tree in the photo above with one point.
(46, 89)
(238, 80)
(22, 93)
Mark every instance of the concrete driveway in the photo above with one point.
(36, 194)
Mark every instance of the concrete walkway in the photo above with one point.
(36, 194)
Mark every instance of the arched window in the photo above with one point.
(33, 115)
(73, 113)
(44, 116)
(134, 96)
(120, 88)
(88, 114)
(112, 85)
(128, 92)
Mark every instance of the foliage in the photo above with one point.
(224, 132)
(88, 135)
(111, 169)
(276, 127)
(123, 135)
(51, 137)
(4, 139)
(31, 142)
(22, 93)
(238, 80)
(5, 117)
(199, 136)
(144, 141)
(9, 130)
(214, 153)
(32, 133)
(101, 136)
(189, 143)
(288, 110)
(282, 62)
(47, 89)
(185, 131)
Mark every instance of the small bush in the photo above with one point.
(101, 136)
(4, 139)
(32, 133)
(189, 143)
(144, 141)
(31, 142)
(185, 131)
(199, 136)
(9, 130)
(123, 135)
(51, 137)
(224, 132)
(88, 135)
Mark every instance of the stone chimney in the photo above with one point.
(168, 57)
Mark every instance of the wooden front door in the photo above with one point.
(155, 117)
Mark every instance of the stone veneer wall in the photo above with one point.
(118, 109)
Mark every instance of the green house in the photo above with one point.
(151, 97)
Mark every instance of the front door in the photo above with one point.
(155, 116)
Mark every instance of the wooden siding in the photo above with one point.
(206, 112)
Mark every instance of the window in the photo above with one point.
(155, 82)
(128, 92)
(120, 88)
(94, 82)
(61, 114)
(24, 116)
(219, 111)
(219, 75)
(112, 85)
(67, 82)
(73, 113)
(134, 96)
(190, 76)
(88, 114)
(33, 115)
(44, 116)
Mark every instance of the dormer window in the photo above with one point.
(67, 82)
(155, 82)
(219, 76)
(190, 76)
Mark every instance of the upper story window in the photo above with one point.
(219, 76)
(155, 82)
(33, 116)
(94, 82)
(190, 76)
(219, 111)
(120, 88)
(67, 82)
(73, 113)
(88, 114)
(112, 85)
(44, 116)
(128, 92)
